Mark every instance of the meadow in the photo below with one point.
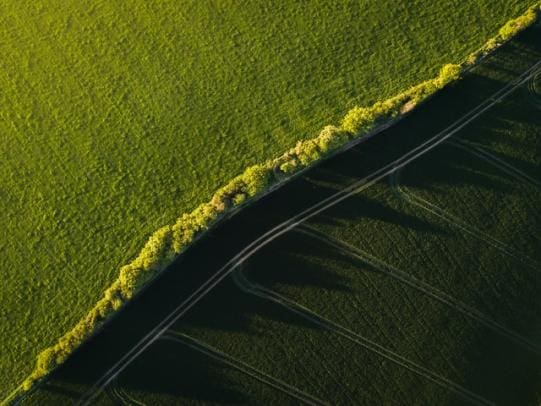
(118, 116)
(419, 289)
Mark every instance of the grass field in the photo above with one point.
(119, 116)
(421, 289)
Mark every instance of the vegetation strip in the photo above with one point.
(168, 242)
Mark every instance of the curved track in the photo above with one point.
(480, 152)
(119, 395)
(294, 221)
(533, 89)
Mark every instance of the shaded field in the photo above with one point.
(119, 117)
(419, 290)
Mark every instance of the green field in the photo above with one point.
(118, 116)
(420, 289)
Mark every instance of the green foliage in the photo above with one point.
(449, 73)
(358, 119)
(257, 178)
(361, 120)
(331, 138)
(507, 31)
(290, 165)
(169, 241)
(516, 25)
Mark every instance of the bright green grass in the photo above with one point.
(494, 271)
(118, 116)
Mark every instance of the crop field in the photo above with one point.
(119, 116)
(419, 287)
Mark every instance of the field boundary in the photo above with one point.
(168, 242)
(308, 213)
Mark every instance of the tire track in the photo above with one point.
(455, 221)
(533, 93)
(289, 224)
(119, 395)
(243, 367)
(421, 286)
(480, 152)
(257, 290)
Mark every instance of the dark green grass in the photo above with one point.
(117, 117)
(289, 348)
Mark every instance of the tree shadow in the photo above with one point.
(236, 311)
(451, 166)
(358, 207)
(295, 260)
(231, 310)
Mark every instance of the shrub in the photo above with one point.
(257, 178)
(46, 362)
(358, 119)
(289, 166)
(449, 73)
(331, 138)
(513, 27)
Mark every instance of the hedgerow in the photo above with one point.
(509, 30)
(168, 242)
(513, 27)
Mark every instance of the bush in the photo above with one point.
(358, 119)
(513, 27)
(257, 178)
(449, 73)
(331, 138)
(290, 165)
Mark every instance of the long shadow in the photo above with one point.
(168, 368)
(499, 368)
(195, 266)
(449, 166)
(235, 311)
(229, 310)
(513, 134)
(293, 260)
(359, 207)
